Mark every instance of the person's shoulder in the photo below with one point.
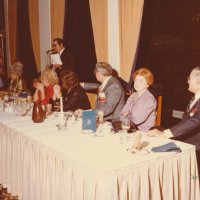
(114, 82)
(149, 94)
(67, 51)
(77, 88)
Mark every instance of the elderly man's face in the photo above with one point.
(98, 75)
(194, 82)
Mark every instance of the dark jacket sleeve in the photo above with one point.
(67, 60)
(91, 86)
(188, 126)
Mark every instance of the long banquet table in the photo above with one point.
(38, 162)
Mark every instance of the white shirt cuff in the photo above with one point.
(168, 133)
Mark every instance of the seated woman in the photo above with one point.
(74, 96)
(16, 82)
(140, 108)
(48, 89)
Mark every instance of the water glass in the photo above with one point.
(122, 137)
(48, 109)
(56, 106)
(137, 136)
(126, 124)
(100, 114)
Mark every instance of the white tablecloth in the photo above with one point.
(38, 162)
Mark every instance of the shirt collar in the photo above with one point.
(197, 95)
(61, 51)
(104, 83)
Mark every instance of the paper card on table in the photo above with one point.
(89, 120)
(55, 59)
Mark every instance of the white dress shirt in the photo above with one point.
(61, 51)
(104, 83)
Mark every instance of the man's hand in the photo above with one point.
(155, 133)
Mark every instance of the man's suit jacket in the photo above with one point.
(115, 98)
(67, 59)
(67, 62)
(188, 129)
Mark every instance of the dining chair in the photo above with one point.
(92, 99)
(158, 111)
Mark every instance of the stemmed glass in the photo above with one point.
(125, 125)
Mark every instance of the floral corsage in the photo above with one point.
(192, 112)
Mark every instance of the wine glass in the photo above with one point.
(125, 125)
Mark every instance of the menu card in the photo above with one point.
(89, 120)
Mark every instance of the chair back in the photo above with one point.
(158, 111)
(92, 99)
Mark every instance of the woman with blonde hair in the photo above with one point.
(16, 83)
(140, 108)
(48, 88)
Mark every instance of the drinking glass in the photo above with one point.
(21, 109)
(57, 106)
(100, 114)
(48, 109)
(126, 125)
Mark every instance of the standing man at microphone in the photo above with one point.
(65, 56)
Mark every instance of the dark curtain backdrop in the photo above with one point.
(148, 32)
(78, 35)
(24, 52)
(2, 20)
(3, 61)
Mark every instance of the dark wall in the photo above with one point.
(171, 35)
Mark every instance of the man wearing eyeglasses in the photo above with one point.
(188, 129)
(110, 96)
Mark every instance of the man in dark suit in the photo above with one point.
(65, 56)
(188, 129)
(110, 96)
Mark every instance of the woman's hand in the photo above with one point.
(39, 86)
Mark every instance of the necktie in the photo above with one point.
(190, 103)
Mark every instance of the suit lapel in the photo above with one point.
(106, 84)
(193, 109)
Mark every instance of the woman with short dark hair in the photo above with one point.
(74, 96)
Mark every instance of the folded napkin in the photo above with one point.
(167, 148)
